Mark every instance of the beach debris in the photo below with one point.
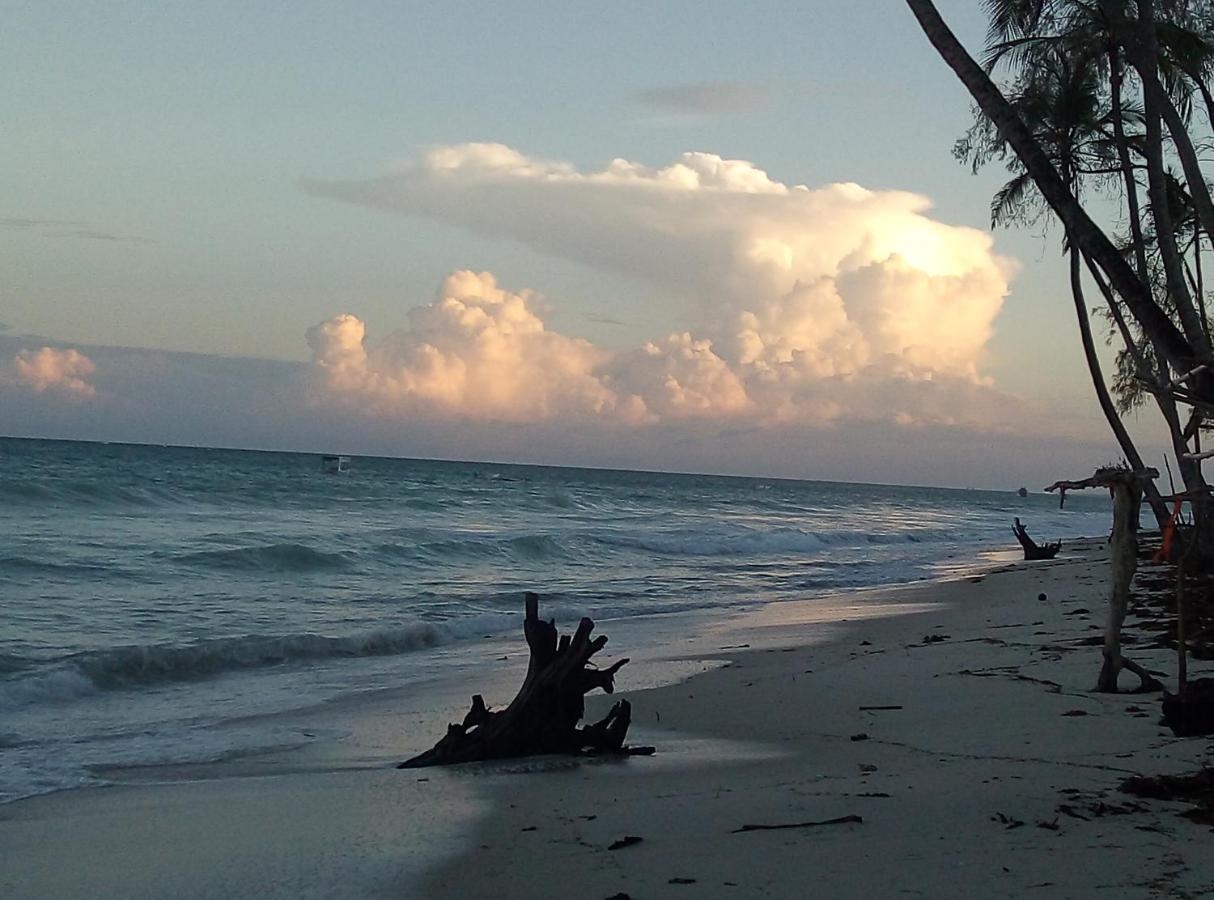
(935, 638)
(543, 717)
(1042, 597)
(1067, 810)
(1051, 825)
(878, 708)
(681, 881)
(1191, 711)
(841, 820)
(1127, 486)
(1033, 550)
(862, 736)
(1196, 788)
(620, 896)
(1075, 712)
(628, 840)
(1089, 809)
(1008, 822)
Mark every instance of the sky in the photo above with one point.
(679, 236)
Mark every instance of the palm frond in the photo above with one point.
(1008, 204)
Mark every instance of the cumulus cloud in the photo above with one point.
(476, 350)
(49, 369)
(810, 304)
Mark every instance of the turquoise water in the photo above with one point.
(149, 593)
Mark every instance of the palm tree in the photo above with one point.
(1060, 100)
(1174, 345)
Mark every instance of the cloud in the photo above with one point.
(19, 222)
(476, 351)
(50, 369)
(810, 305)
(69, 228)
(604, 320)
(707, 99)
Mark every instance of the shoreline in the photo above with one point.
(986, 768)
(444, 676)
(332, 820)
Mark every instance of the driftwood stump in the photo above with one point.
(544, 715)
(1033, 550)
(1126, 486)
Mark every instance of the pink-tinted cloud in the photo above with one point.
(49, 369)
(476, 351)
(810, 305)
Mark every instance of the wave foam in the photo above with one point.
(755, 541)
(150, 665)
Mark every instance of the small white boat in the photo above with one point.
(332, 464)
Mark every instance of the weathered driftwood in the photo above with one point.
(544, 715)
(1126, 488)
(1033, 550)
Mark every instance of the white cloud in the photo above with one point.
(811, 305)
(49, 369)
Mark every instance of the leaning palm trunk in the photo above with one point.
(1133, 457)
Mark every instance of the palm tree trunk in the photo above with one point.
(1158, 508)
(1144, 55)
(1155, 100)
(1116, 77)
(1102, 392)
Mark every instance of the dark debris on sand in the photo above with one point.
(1196, 788)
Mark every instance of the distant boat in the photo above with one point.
(1023, 492)
(333, 464)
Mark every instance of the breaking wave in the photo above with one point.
(137, 666)
(86, 493)
(742, 540)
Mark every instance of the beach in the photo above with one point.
(983, 765)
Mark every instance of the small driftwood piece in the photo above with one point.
(544, 715)
(842, 820)
(1033, 550)
(1126, 486)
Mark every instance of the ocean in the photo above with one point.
(168, 605)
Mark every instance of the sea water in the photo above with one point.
(160, 604)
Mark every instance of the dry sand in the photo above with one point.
(983, 783)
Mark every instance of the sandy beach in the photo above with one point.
(949, 724)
